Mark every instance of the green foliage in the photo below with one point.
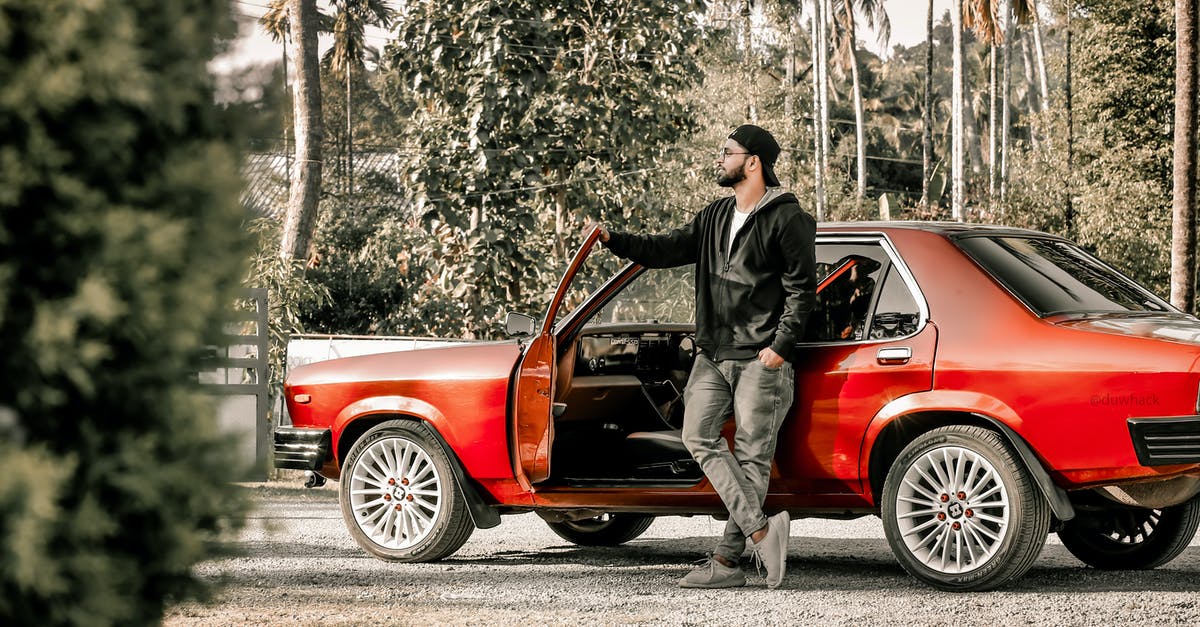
(121, 248)
(1124, 117)
(529, 120)
(290, 294)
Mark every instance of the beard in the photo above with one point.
(731, 178)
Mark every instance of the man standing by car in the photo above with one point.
(755, 286)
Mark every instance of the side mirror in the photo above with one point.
(519, 324)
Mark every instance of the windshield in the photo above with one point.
(1054, 277)
(665, 296)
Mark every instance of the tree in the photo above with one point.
(121, 254)
(1183, 217)
(958, 185)
(349, 52)
(927, 112)
(877, 19)
(305, 186)
(521, 112)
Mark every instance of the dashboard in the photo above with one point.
(645, 350)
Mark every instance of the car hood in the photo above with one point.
(477, 360)
(1170, 328)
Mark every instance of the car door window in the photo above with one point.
(896, 313)
(854, 280)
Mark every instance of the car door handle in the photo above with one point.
(893, 355)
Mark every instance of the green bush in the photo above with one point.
(121, 247)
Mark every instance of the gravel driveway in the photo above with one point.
(298, 565)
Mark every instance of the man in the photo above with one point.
(755, 286)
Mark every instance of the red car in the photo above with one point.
(975, 386)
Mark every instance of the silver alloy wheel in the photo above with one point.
(952, 510)
(395, 493)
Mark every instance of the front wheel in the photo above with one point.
(399, 497)
(1131, 538)
(603, 530)
(960, 511)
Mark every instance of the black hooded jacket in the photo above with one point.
(758, 296)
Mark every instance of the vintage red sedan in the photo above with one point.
(975, 386)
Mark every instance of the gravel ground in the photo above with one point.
(298, 565)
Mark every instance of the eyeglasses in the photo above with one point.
(724, 152)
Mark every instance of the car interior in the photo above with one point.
(619, 388)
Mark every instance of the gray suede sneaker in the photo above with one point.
(772, 551)
(713, 574)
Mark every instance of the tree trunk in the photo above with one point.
(993, 85)
(973, 154)
(1183, 215)
(859, 135)
(824, 44)
(1069, 214)
(1040, 50)
(789, 92)
(1032, 103)
(349, 137)
(927, 114)
(1005, 90)
(818, 162)
(561, 217)
(956, 98)
(305, 189)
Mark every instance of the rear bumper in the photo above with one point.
(1166, 441)
(301, 449)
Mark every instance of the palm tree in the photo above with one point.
(350, 51)
(992, 21)
(958, 192)
(820, 103)
(927, 112)
(877, 19)
(1183, 214)
(298, 19)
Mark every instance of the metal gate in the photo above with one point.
(236, 372)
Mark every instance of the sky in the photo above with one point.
(255, 47)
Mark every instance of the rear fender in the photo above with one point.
(990, 411)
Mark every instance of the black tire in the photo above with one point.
(427, 510)
(960, 511)
(1131, 538)
(603, 530)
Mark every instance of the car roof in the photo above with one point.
(946, 229)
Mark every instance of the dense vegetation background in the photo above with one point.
(509, 125)
(122, 248)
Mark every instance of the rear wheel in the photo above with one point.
(603, 530)
(960, 511)
(1131, 538)
(399, 497)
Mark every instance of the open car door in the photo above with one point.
(533, 421)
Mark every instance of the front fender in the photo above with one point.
(393, 405)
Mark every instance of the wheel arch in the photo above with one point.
(482, 514)
(898, 431)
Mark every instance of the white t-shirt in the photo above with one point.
(735, 225)
(740, 218)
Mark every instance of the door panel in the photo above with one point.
(534, 426)
(533, 423)
(863, 351)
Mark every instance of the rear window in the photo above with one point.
(1054, 277)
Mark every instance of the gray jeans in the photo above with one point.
(759, 398)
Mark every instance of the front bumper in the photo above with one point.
(1165, 441)
(301, 449)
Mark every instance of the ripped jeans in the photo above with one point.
(759, 398)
